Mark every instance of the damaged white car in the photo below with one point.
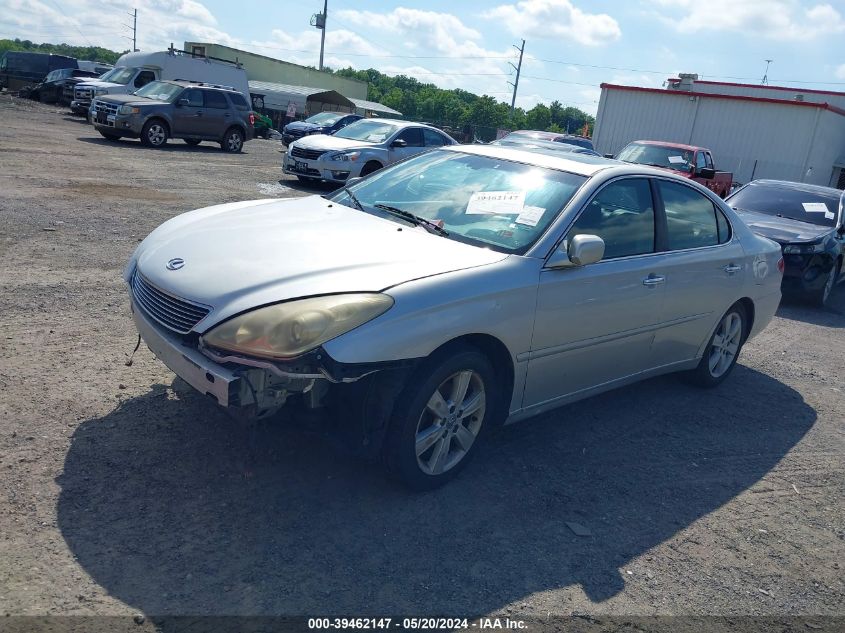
(452, 292)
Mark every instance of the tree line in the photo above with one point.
(460, 109)
(92, 53)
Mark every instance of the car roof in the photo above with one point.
(402, 124)
(797, 186)
(186, 83)
(576, 163)
(541, 144)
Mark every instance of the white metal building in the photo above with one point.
(308, 101)
(753, 131)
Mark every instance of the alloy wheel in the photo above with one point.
(725, 344)
(450, 422)
(156, 134)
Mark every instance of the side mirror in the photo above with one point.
(581, 250)
(708, 173)
(399, 142)
(182, 102)
(608, 155)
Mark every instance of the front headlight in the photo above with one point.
(803, 249)
(127, 109)
(100, 91)
(289, 329)
(346, 156)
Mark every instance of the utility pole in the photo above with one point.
(318, 20)
(517, 68)
(134, 28)
(765, 81)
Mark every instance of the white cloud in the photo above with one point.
(773, 19)
(554, 19)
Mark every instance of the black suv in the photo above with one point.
(188, 110)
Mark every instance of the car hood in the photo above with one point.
(101, 84)
(782, 230)
(327, 143)
(133, 99)
(302, 126)
(243, 255)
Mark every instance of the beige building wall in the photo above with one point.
(261, 68)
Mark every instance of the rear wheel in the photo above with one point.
(440, 418)
(233, 141)
(192, 141)
(821, 297)
(154, 133)
(722, 350)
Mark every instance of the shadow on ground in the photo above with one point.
(174, 509)
(832, 315)
(173, 145)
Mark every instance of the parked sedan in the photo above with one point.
(808, 221)
(320, 123)
(360, 149)
(460, 289)
(543, 146)
(552, 137)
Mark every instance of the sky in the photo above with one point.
(572, 46)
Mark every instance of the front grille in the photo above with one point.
(170, 311)
(310, 154)
(83, 93)
(105, 108)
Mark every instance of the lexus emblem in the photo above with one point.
(175, 264)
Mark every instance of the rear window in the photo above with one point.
(796, 202)
(239, 101)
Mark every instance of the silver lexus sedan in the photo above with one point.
(458, 290)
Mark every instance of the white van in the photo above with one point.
(134, 70)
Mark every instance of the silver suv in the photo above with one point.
(194, 112)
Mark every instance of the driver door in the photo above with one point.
(595, 324)
(414, 144)
(189, 119)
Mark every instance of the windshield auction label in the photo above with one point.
(496, 202)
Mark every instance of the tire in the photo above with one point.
(370, 168)
(720, 355)
(154, 133)
(233, 141)
(428, 442)
(821, 296)
(192, 141)
(109, 137)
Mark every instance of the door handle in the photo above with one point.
(653, 280)
(732, 268)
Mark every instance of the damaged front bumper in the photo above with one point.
(235, 381)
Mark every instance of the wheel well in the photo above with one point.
(374, 164)
(160, 120)
(748, 305)
(235, 127)
(498, 355)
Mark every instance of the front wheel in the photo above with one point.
(722, 350)
(154, 133)
(233, 142)
(440, 417)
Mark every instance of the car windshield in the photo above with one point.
(324, 118)
(657, 155)
(369, 131)
(160, 91)
(106, 76)
(479, 200)
(796, 202)
(122, 75)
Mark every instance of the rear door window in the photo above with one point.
(690, 217)
(622, 214)
(433, 139)
(214, 99)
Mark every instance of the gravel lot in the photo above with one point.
(124, 492)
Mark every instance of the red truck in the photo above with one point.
(693, 162)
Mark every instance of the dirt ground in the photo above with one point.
(124, 492)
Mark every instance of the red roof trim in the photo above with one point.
(684, 93)
(727, 83)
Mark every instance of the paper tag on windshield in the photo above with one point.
(530, 216)
(496, 202)
(829, 215)
(677, 160)
(815, 207)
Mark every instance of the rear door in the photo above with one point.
(705, 269)
(217, 116)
